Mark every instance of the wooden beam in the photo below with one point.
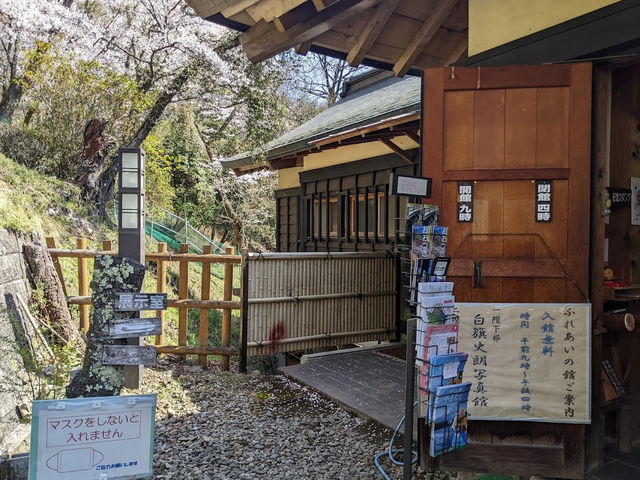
(261, 42)
(400, 152)
(413, 136)
(322, 4)
(237, 7)
(423, 36)
(369, 35)
(367, 129)
(184, 350)
(268, 10)
(304, 48)
(459, 50)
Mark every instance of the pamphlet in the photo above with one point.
(449, 420)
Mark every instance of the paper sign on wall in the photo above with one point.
(527, 361)
(92, 438)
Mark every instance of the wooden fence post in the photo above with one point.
(51, 243)
(183, 294)
(161, 287)
(83, 284)
(107, 245)
(205, 292)
(244, 312)
(226, 313)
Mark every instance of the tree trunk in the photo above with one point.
(94, 154)
(104, 187)
(110, 275)
(9, 103)
(43, 274)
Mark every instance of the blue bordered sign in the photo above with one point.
(92, 438)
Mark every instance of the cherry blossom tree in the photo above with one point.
(29, 29)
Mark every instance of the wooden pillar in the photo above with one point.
(205, 292)
(51, 243)
(226, 313)
(183, 294)
(83, 284)
(600, 153)
(244, 294)
(107, 245)
(161, 287)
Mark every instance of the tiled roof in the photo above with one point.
(380, 101)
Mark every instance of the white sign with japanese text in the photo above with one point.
(527, 362)
(92, 438)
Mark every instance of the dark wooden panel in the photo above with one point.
(469, 78)
(487, 220)
(519, 211)
(508, 268)
(458, 131)
(507, 174)
(488, 129)
(552, 128)
(531, 131)
(520, 128)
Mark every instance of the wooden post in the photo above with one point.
(83, 284)
(226, 312)
(183, 294)
(51, 243)
(107, 245)
(205, 292)
(244, 297)
(161, 287)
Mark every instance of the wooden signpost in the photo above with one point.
(129, 355)
(134, 327)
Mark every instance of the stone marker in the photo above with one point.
(110, 275)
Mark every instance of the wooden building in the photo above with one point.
(334, 170)
(516, 93)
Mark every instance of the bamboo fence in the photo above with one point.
(300, 301)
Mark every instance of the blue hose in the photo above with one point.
(391, 451)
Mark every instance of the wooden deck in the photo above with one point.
(366, 382)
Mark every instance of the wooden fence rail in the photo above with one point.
(182, 303)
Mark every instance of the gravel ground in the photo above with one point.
(216, 425)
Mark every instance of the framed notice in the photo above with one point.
(92, 438)
(528, 362)
(410, 186)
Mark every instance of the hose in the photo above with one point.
(391, 451)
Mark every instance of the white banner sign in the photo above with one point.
(92, 438)
(527, 361)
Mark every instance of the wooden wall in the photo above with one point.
(297, 228)
(621, 347)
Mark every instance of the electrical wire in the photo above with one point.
(391, 451)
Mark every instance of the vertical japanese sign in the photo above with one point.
(544, 201)
(465, 202)
(92, 438)
(528, 361)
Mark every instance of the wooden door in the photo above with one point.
(502, 130)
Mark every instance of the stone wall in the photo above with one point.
(14, 385)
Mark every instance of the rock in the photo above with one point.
(110, 276)
(171, 412)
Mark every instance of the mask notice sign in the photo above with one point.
(92, 438)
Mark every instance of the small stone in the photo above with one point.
(171, 412)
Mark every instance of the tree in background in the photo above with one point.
(29, 28)
(319, 76)
(80, 79)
